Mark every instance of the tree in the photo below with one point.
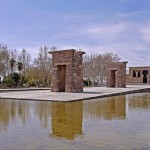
(20, 66)
(12, 64)
(53, 48)
(87, 68)
(43, 65)
(4, 60)
(25, 59)
(95, 66)
(13, 57)
(16, 77)
(12, 80)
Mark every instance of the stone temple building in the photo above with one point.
(116, 74)
(138, 75)
(67, 73)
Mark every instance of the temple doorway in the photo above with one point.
(145, 73)
(113, 78)
(61, 78)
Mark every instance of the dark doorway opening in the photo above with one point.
(61, 77)
(145, 72)
(113, 78)
(134, 74)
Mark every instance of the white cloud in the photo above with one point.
(119, 35)
(122, 39)
(128, 15)
(106, 29)
(145, 32)
(95, 33)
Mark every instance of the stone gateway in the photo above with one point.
(116, 74)
(67, 73)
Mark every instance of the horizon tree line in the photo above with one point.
(19, 69)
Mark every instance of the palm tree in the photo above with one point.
(20, 67)
(12, 64)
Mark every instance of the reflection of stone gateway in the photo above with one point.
(109, 109)
(116, 74)
(67, 119)
(67, 73)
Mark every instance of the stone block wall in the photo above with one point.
(137, 75)
(116, 74)
(67, 71)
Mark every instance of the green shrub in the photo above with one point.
(31, 82)
(16, 77)
(9, 82)
(87, 82)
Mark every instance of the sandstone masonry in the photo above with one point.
(116, 74)
(67, 73)
(138, 75)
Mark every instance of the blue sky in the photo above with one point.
(118, 26)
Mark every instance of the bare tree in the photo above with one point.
(88, 66)
(25, 59)
(43, 64)
(12, 59)
(4, 59)
(12, 65)
(53, 48)
(95, 66)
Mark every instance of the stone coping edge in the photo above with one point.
(88, 98)
(22, 89)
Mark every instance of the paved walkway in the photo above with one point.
(44, 94)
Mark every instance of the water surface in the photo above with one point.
(114, 123)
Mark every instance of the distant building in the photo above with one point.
(138, 75)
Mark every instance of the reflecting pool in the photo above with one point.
(114, 123)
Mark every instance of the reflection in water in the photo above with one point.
(139, 101)
(10, 110)
(4, 115)
(43, 112)
(111, 108)
(67, 119)
(27, 124)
